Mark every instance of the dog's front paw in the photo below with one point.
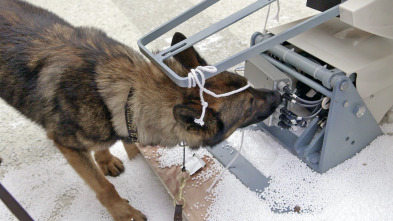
(138, 216)
(125, 212)
(109, 164)
(112, 167)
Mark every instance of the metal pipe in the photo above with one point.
(153, 35)
(311, 68)
(298, 76)
(234, 59)
(201, 35)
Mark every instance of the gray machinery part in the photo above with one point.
(322, 5)
(322, 145)
(241, 168)
(349, 126)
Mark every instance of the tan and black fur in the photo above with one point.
(75, 81)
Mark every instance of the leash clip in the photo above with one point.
(179, 200)
(182, 176)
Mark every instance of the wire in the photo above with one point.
(308, 105)
(308, 101)
(299, 99)
(315, 112)
(239, 69)
(229, 164)
(267, 18)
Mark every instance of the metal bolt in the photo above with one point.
(359, 110)
(345, 104)
(281, 85)
(325, 103)
(344, 85)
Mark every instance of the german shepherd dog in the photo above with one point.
(75, 82)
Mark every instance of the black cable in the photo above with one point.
(314, 113)
(289, 95)
(308, 101)
(308, 105)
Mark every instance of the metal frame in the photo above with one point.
(326, 143)
(320, 147)
(158, 59)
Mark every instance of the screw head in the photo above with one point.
(345, 103)
(344, 85)
(359, 110)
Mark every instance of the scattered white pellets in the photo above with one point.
(168, 157)
(40, 178)
(358, 189)
(387, 129)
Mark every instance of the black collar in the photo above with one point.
(132, 131)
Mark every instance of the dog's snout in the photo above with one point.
(272, 98)
(277, 95)
(276, 98)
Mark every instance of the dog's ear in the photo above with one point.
(189, 58)
(185, 115)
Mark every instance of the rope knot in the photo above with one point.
(193, 81)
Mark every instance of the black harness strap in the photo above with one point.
(13, 205)
(132, 131)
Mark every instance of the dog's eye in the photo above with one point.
(252, 101)
(249, 109)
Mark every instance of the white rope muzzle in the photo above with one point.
(193, 81)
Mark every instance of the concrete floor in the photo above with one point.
(23, 143)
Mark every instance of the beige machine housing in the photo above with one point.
(368, 53)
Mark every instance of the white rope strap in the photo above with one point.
(275, 18)
(193, 81)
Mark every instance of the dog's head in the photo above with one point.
(223, 115)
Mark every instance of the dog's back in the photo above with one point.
(48, 72)
(18, 76)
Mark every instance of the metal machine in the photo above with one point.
(334, 69)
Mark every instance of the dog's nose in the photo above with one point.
(276, 98)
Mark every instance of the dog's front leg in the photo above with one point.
(131, 149)
(84, 165)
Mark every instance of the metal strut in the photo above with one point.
(158, 59)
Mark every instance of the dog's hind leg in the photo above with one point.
(131, 149)
(84, 165)
(109, 164)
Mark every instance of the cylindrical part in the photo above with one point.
(311, 68)
(299, 76)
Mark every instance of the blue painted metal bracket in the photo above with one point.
(241, 168)
(325, 143)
